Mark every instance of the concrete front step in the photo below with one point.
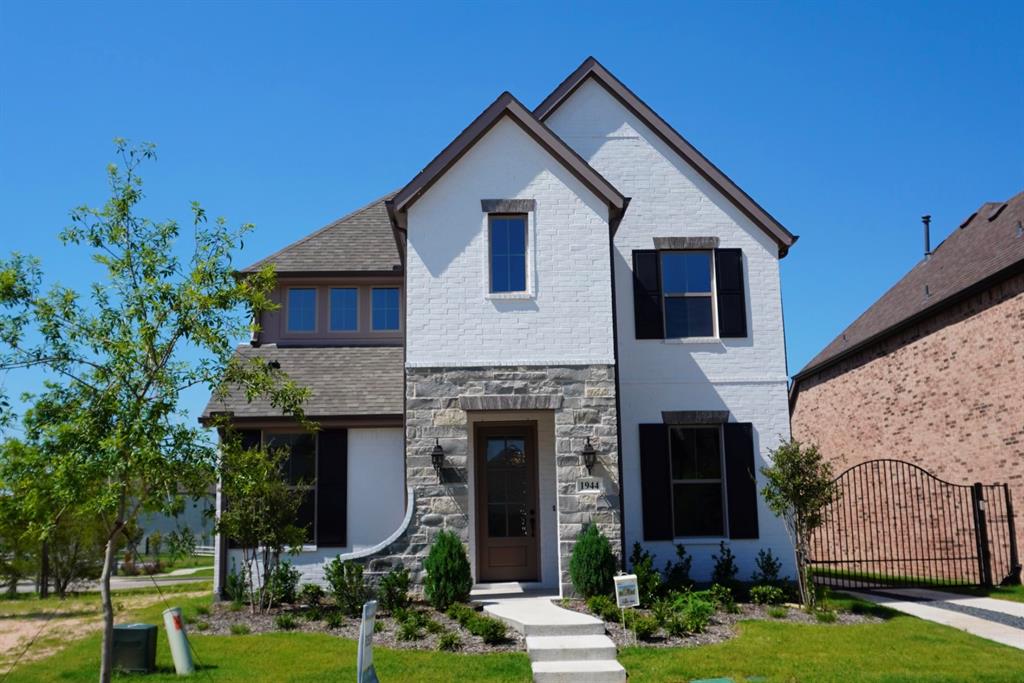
(569, 648)
(595, 671)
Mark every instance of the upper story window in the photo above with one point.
(302, 309)
(386, 311)
(689, 294)
(687, 287)
(698, 492)
(344, 309)
(507, 252)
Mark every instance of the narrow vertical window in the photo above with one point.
(686, 279)
(508, 253)
(302, 309)
(386, 309)
(344, 309)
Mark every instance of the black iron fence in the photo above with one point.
(892, 523)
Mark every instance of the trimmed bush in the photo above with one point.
(768, 568)
(285, 622)
(409, 630)
(461, 613)
(725, 566)
(693, 614)
(825, 616)
(491, 630)
(723, 598)
(393, 591)
(449, 642)
(778, 612)
(592, 565)
(240, 630)
(662, 611)
(448, 577)
(334, 619)
(644, 626)
(347, 586)
(311, 594)
(767, 595)
(236, 589)
(283, 584)
(202, 625)
(677, 574)
(604, 607)
(648, 578)
(315, 613)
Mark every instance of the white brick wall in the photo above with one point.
(745, 376)
(451, 320)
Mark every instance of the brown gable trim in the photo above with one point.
(505, 105)
(591, 68)
(966, 293)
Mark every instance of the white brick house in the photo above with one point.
(571, 279)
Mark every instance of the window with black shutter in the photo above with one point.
(655, 485)
(689, 293)
(332, 488)
(741, 481)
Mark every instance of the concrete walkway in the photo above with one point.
(563, 645)
(999, 620)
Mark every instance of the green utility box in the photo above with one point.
(135, 648)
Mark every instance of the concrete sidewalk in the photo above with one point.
(1001, 621)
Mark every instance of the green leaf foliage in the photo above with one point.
(348, 587)
(592, 565)
(448, 579)
(393, 591)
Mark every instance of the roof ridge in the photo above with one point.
(318, 231)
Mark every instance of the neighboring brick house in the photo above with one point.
(560, 285)
(933, 372)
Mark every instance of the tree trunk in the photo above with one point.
(44, 570)
(107, 653)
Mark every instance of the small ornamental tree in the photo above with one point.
(448, 578)
(592, 566)
(163, 316)
(799, 485)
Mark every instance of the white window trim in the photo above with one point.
(330, 310)
(316, 310)
(713, 538)
(401, 321)
(714, 299)
(531, 258)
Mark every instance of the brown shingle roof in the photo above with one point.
(989, 242)
(344, 381)
(362, 241)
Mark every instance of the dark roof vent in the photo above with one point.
(996, 211)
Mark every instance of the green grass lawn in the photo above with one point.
(296, 657)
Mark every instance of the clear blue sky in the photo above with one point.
(846, 121)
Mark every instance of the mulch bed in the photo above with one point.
(222, 617)
(721, 628)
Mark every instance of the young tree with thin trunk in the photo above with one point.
(163, 318)
(800, 483)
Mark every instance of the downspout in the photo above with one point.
(613, 228)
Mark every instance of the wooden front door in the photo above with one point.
(506, 502)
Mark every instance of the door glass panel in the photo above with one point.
(507, 487)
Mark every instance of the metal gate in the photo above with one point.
(892, 523)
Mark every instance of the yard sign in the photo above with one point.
(627, 593)
(364, 663)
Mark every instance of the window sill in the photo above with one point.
(510, 296)
(701, 540)
(693, 340)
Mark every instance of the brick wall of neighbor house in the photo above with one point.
(582, 401)
(747, 377)
(946, 395)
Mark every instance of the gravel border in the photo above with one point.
(222, 617)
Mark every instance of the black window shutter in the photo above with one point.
(647, 308)
(740, 482)
(655, 482)
(248, 438)
(732, 304)
(332, 488)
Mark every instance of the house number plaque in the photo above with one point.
(589, 485)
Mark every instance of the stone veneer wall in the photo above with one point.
(582, 399)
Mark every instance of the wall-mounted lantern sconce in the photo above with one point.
(589, 456)
(437, 458)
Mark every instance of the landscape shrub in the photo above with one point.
(409, 630)
(283, 584)
(825, 616)
(643, 625)
(604, 607)
(778, 612)
(285, 622)
(334, 619)
(202, 625)
(592, 565)
(235, 588)
(433, 626)
(449, 642)
(314, 613)
(662, 610)
(767, 595)
(648, 579)
(202, 610)
(692, 615)
(461, 613)
(347, 585)
(723, 598)
(240, 629)
(491, 630)
(311, 594)
(448, 577)
(768, 568)
(393, 590)
(725, 569)
(677, 574)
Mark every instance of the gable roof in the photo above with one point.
(592, 69)
(360, 242)
(988, 247)
(507, 106)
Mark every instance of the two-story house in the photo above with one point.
(569, 286)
